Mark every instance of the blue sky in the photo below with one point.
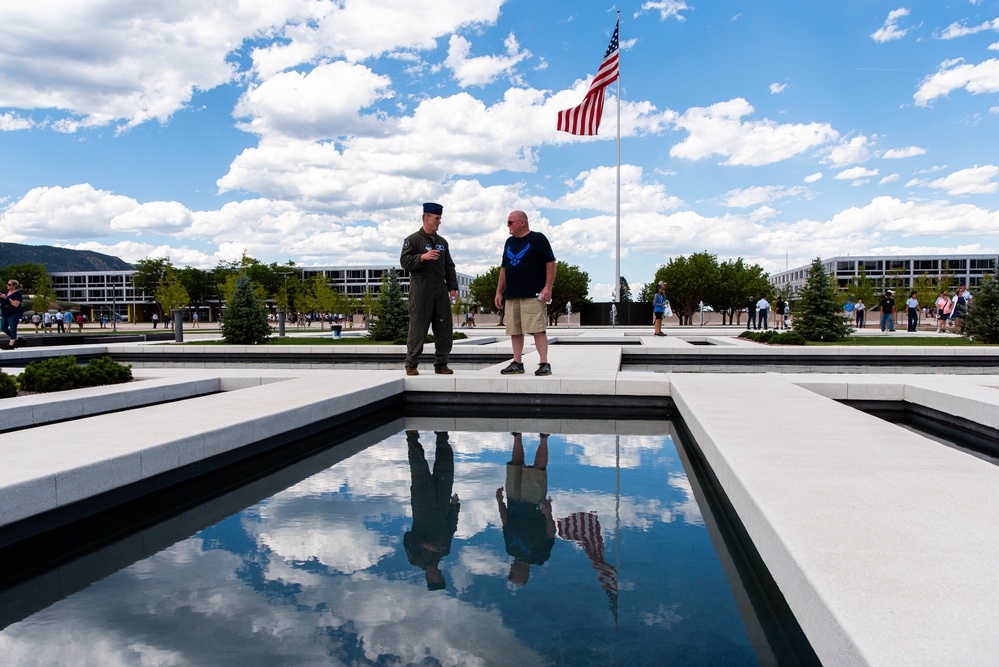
(312, 130)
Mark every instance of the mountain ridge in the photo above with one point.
(58, 260)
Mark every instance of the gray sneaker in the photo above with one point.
(544, 369)
(515, 368)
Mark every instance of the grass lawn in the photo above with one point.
(896, 340)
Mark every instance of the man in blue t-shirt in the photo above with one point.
(527, 274)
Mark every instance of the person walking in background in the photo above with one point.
(762, 310)
(433, 287)
(779, 313)
(849, 308)
(67, 320)
(156, 320)
(194, 319)
(659, 308)
(912, 311)
(11, 310)
(942, 306)
(751, 314)
(60, 322)
(524, 290)
(860, 312)
(959, 310)
(887, 308)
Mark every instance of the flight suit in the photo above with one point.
(429, 302)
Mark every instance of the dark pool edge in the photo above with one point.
(786, 642)
(954, 429)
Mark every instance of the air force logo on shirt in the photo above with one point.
(405, 244)
(515, 259)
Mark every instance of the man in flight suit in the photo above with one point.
(433, 285)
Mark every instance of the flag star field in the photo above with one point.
(313, 130)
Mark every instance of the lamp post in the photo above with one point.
(282, 315)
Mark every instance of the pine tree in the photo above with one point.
(817, 314)
(982, 322)
(391, 312)
(245, 321)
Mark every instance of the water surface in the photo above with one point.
(426, 548)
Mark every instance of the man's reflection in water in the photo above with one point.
(435, 510)
(528, 527)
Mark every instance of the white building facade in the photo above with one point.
(966, 270)
(107, 292)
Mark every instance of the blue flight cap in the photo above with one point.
(431, 207)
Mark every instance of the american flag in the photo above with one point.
(585, 119)
(584, 529)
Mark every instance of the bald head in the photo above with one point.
(516, 223)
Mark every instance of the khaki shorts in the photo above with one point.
(526, 484)
(525, 316)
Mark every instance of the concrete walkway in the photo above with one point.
(883, 542)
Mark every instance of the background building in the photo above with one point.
(107, 292)
(966, 270)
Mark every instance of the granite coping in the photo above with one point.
(883, 545)
(41, 469)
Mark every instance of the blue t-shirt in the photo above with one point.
(523, 263)
(659, 303)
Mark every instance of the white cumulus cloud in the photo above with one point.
(482, 70)
(956, 74)
(975, 180)
(720, 130)
(890, 30)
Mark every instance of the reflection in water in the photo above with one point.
(323, 572)
(583, 528)
(435, 509)
(528, 527)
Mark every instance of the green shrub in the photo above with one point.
(772, 337)
(791, 338)
(459, 335)
(62, 373)
(8, 386)
(106, 371)
(57, 374)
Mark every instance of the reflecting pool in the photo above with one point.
(437, 541)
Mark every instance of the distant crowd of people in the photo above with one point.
(949, 310)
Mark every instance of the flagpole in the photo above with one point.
(617, 228)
